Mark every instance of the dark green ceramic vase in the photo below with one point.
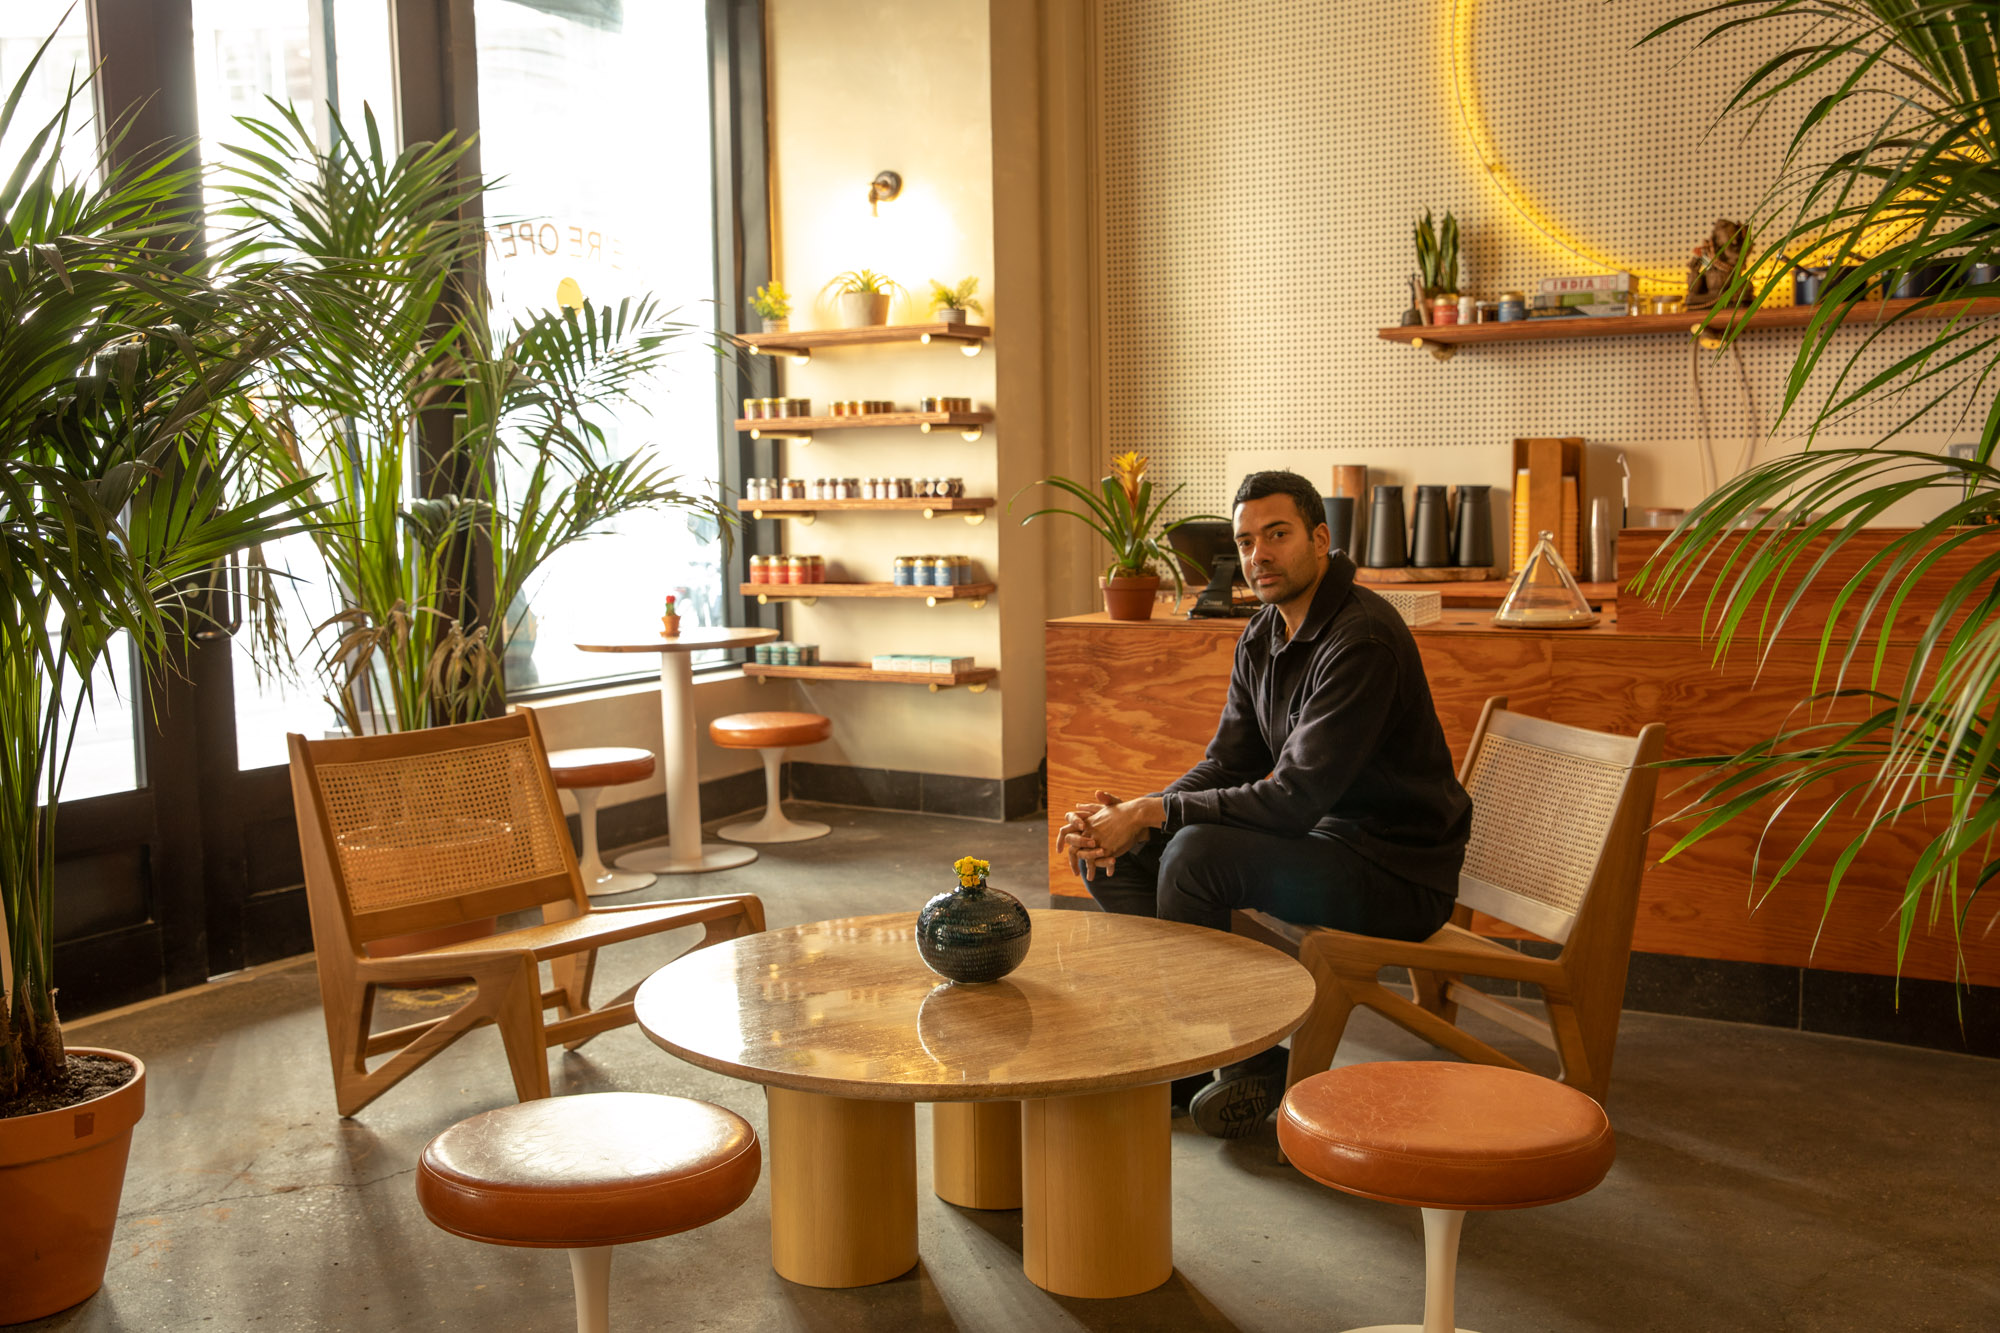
(973, 934)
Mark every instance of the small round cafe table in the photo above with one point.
(685, 853)
(846, 1029)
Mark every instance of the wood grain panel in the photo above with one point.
(1684, 617)
(1132, 707)
(1129, 710)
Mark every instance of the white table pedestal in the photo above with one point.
(685, 853)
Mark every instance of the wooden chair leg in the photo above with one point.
(1318, 1038)
(515, 1004)
(1431, 992)
(1573, 1049)
(573, 973)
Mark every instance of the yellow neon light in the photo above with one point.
(1464, 99)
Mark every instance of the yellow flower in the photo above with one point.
(971, 871)
(1130, 469)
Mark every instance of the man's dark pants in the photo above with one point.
(1204, 871)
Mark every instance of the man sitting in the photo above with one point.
(1327, 797)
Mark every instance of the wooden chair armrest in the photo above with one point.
(1452, 949)
(409, 967)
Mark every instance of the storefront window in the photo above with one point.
(595, 122)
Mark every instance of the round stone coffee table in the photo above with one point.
(846, 1029)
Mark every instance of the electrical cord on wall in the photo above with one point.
(1706, 455)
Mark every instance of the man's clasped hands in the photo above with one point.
(1096, 833)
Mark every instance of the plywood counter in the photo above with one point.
(1132, 706)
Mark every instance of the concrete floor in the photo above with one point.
(1766, 1179)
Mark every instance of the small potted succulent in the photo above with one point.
(1124, 513)
(773, 304)
(863, 297)
(950, 304)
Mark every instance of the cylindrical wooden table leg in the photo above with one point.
(843, 1188)
(976, 1153)
(1097, 1192)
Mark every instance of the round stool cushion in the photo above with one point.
(598, 1168)
(767, 731)
(600, 766)
(1433, 1134)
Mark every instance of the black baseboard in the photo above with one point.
(924, 793)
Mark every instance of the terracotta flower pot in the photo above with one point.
(863, 310)
(1129, 596)
(61, 1174)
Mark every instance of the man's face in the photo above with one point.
(1280, 554)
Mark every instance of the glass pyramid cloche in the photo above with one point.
(1545, 595)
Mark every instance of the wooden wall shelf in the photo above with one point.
(972, 508)
(1611, 326)
(930, 595)
(969, 425)
(799, 344)
(976, 679)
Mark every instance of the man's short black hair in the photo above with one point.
(1304, 494)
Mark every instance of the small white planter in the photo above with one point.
(777, 326)
(863, 310)
(946, 316)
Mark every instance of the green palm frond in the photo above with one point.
(1918, 186)
(123, 482)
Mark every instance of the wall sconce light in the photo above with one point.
(886, 185)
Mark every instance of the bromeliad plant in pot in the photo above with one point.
(1892, 738)
(120, 490)
(1125, 513)
(862, 297)
(387, 335)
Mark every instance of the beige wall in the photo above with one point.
(857, 87)
(1262, 161)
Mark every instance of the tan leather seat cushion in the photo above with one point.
(1432, 1134)
(763, 731)
(600, 766)
(599, 1168)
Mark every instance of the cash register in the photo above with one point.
(1207, 552)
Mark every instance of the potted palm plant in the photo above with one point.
(950, 304)
(385, 335)
(1918, 189)
(773, 305)
(862, 296)
(1125, 513)
(120, 489)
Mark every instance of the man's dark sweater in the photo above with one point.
(1333, 734)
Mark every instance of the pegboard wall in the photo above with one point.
(1263, 162)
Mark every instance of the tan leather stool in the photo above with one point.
(1445, 1138)
(587, 1173)
(769, 734)
(585, 773)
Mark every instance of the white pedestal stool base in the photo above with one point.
(1441, 1228)
(773, 827)
(600, 880)
(590, 1273)
(708, 856)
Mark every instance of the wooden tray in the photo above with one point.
(1411, 574)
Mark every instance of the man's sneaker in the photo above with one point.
(1241, 1096)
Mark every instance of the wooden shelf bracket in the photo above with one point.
(796, 436)
(968, 435)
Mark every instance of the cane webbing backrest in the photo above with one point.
(418, 828)
(1542, 814)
